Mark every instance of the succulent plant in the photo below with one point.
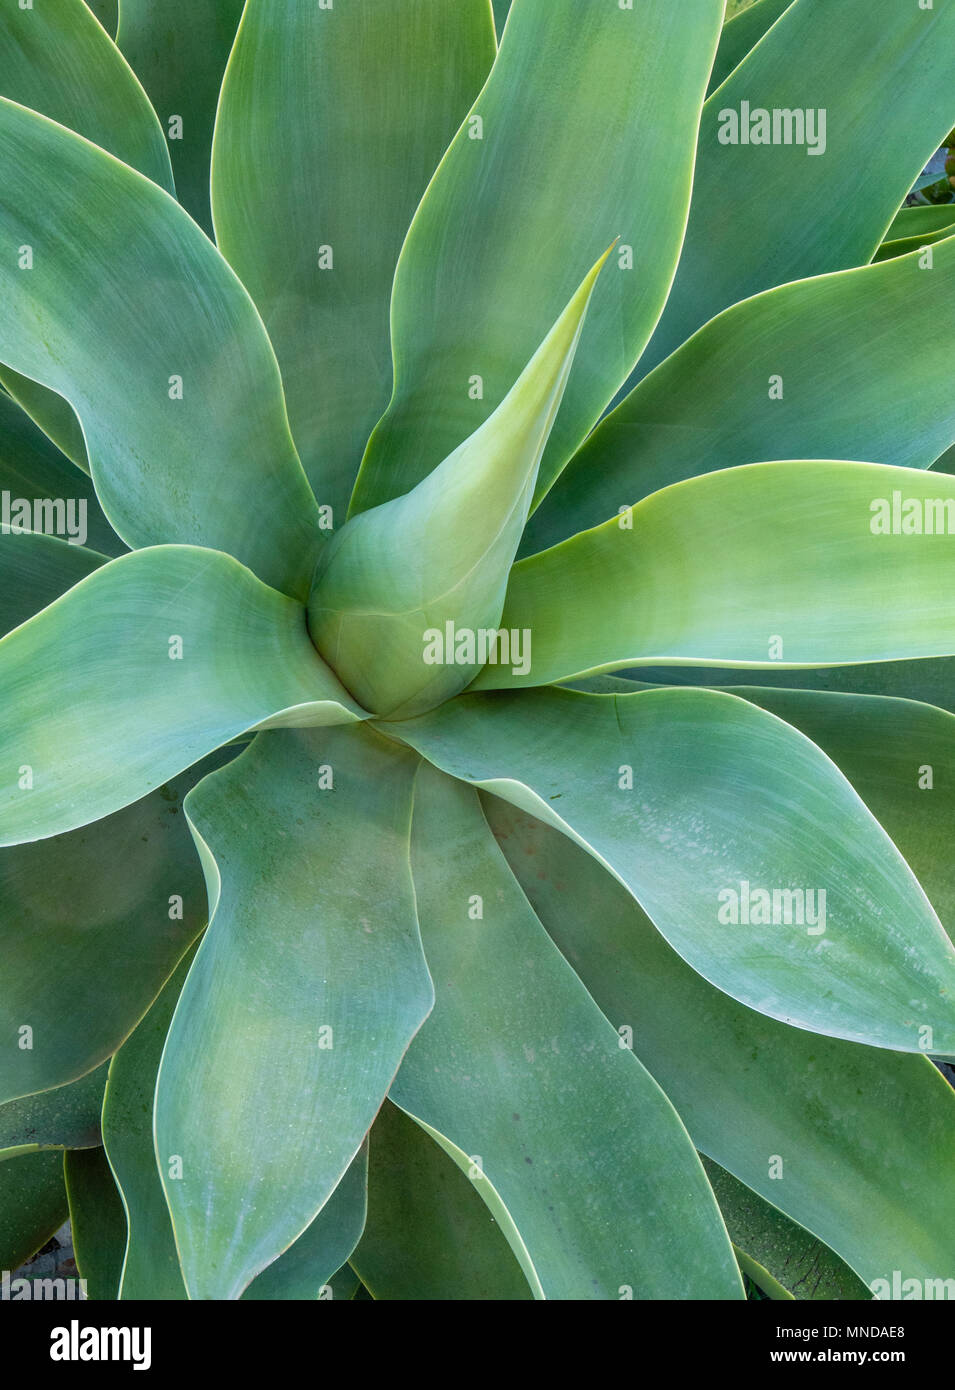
(480, 552)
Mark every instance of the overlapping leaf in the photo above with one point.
(692, 798)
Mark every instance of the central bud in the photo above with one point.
(407, 597)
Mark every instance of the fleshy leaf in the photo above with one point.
(436, 561)
(101, 916)
(853, 1144)
(332, 121)
(588, 107)
(180, 54)
(518, 1068)
(168, 367)
(810, 370)
(756, 219)
(171, 652)
(284, 1042)
(773, 564)
(728, 827)
(56, 59)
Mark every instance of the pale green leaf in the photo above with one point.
(763, 214)
(853, 1144)
(163, 317)
(518, 1068)
(816, 369)
(772, 564)
(171, 652)
(285, 1041)
(331, 124)
(589, 108)
(692, 798)
(396, 575)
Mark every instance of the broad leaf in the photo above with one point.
(810, 370)
(853, 1144)
(171, 652)
(285, 1041)
(727, 826)
(428, 1236)
(522, 1073)
(774, 564)
(56, 59)
(587, 107)
(67, 1117)
(757, 215)
(151, 1264)
(331, 124)
(179, 53)
(168, 366)
(94, 923)
(413, 571)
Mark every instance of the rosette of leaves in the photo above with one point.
(510, 987)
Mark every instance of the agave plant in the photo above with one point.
(334, 493)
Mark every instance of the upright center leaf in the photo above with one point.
(407, 600)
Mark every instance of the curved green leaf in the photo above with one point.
(284, 1042)
(428, 1236)
(586, 107)
(853, 1144)
(57, 59)
(756, 218)
(170, 653)
(307, 1268)
(740, 36)
(179, 53)
(33, 470)
(93, 923)
(68, 1117)
(395, 578)
(897, 754)
(32, 1205)
(97, 1220)
(168, 366)
(696, 801)
(521, 1071)
(815, 369)
(773, 564)
(331, 124)
(150, 1267)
